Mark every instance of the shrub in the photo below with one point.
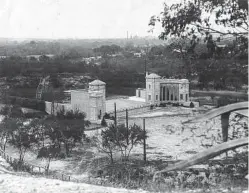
(107, 116)
(103, 122)
(121, 139)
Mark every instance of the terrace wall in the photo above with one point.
(131, 111)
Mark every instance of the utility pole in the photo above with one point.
(127, 127)
(115, 115)
(144, 141)
(145, 68)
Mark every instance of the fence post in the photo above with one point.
(144, 140)
(115, 114)
(69, 178)
(127, 127)
(62, 177)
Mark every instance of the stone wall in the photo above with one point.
(131, 111)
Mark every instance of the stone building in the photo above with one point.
(91, 100)
(161, 90)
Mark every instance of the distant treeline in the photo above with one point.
(227, 70)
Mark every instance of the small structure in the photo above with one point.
(91, 100)
(161, 90)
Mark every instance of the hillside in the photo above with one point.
(16, 182)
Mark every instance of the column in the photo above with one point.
(161, 93)
(170, 93)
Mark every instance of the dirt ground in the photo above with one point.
(168, 139)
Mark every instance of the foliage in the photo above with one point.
(50, 152)
(11, 121)
(217, 177)
(187, 19)
(119, 138)
(103, 122)
(106, 50)
(66, 128)
(191, 22)
(23, 138)
(17, 130)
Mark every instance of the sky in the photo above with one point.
(77, 18)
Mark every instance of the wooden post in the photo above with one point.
(68, 178)
(144, 140)
(127, 127)
(115, 114)
(225, 125)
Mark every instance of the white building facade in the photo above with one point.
(91, 101)
(161, 90)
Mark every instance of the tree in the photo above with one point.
(23, 139)
(103, 122)
(196, 17)
(207, 20)
(119, 138)
(50, 152)
(66, 128)
(12, 120)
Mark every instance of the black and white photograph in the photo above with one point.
(124, 96)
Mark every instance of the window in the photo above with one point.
(156, 97)
(186, 97)
(149, 97)
(149, 86)
(181, 96)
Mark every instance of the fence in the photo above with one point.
(132, 111)
(36, 170)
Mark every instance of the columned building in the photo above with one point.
(161, 90)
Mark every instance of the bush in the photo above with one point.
(107, 116)
(191, 105)
(119, 138)
(28, 103)
(103, 122)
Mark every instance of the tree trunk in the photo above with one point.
(47, 168)
(206, 155)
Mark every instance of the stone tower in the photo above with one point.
(97, 92)
(152, 88)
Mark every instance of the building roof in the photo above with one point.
(153, 75)
(97, 83)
